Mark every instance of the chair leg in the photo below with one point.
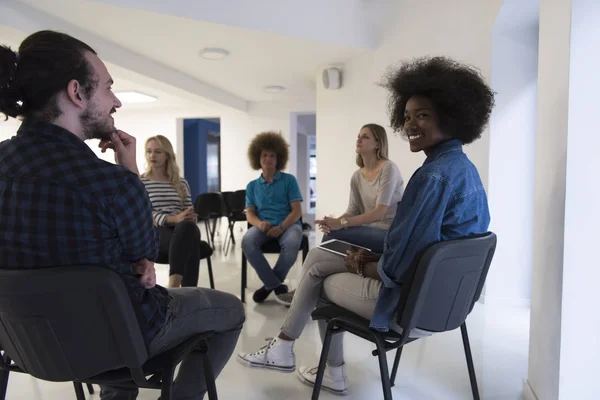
(383, 367)
(231, 226)
(209, 378)
(244, 277)
(79, 391)
(166, 391)
(323, 362)
(214, 230)
(90, 388)
(210, 273)
(208, 236)
(396, 364)
(469, 356)
(304, 253)
(3, 383)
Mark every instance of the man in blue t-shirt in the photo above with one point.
(273, 209)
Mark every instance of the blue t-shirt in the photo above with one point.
(272, 201)
(444, 200)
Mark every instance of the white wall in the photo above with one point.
(306, 128)
(580, 317)
(237, 130)
(302, 174)
(512, 155)
(460, 29)
(549, 214)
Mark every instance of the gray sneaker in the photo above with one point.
(285, 298)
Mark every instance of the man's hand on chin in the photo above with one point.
(147, 274)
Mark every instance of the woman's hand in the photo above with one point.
(328, 224)
(367, 256)
(351, 262)
(355, 258)
(186, 215)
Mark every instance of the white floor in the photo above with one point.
(432, 368)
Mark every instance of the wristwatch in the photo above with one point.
(344, 223)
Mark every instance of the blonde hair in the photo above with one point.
(380, 136)
(171, 167)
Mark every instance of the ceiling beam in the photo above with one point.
(351, 23)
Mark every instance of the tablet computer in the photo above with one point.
(340, 247)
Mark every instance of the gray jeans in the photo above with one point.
(327, 281)
(191, 311)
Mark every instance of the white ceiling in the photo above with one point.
(171, 44)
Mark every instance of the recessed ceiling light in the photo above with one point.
(214, 53)
(134, 97)
(274, 89)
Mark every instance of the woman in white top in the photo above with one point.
(375, 190)
(179, 236)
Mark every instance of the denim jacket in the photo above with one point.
(444, 200)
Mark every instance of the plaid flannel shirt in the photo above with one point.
(61, 205)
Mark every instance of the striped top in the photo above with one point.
(165, 200)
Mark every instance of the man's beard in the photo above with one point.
(96, 125)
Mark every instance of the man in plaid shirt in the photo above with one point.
(61, 205)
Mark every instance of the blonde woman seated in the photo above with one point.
(179, 236)
(375, 190)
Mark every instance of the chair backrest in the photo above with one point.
(68, 323)
(209, 205)
(447, 281)
(238, 203)
(227, 201)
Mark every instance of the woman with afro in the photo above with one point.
(273, 209)
(439, 105)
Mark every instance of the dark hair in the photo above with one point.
(268, 141)
(380, 136)
(46, 62)
(460, 95)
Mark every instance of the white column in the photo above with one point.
(550, 186)
(580, 313)
(512, 156)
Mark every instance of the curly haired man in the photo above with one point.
(273, 209)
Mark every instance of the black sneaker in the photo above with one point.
(261, 294)
(281, 289)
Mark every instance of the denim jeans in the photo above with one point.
(289, 241)
(192, 311)
(366, 236)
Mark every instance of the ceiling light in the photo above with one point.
(214, 54)
(134, 97)
(274, 89)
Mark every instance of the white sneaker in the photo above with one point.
(278, 354)
(334, 379)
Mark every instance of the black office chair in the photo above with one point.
(438, 296)
(78, 324)
(271, 247)
(205, 254)
(236, 212)
(209, 207)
